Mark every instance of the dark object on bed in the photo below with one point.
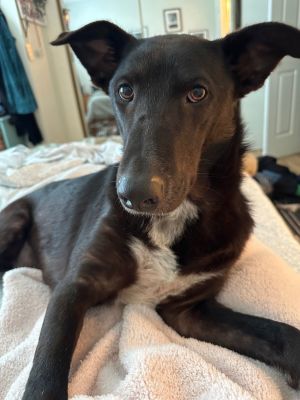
(172, 207)
(278, 181)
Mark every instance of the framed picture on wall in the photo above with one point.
(32, 11)
(172, 20)
(201, 33)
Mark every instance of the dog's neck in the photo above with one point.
(165, 230)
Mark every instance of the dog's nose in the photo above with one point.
(140, 195)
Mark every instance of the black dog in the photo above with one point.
(164, 226)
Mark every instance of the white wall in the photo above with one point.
(124, 13)
(253, 106)
(48, 74)
(196, 15)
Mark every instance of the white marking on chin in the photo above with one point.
(166, 229)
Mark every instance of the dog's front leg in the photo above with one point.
(63, 321)
(277, 344)
(48, 379)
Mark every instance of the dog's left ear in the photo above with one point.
(253, 52)
(100, 47)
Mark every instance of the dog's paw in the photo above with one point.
(293, 380)
(42, 392)
(292, 356)
(44, 396)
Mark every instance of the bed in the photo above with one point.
(129, 353)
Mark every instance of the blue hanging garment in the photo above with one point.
(19, 96)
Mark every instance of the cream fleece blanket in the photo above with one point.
(131, 354)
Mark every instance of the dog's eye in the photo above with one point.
(197, 94)
(126, 92)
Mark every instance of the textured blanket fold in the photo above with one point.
(131, 354)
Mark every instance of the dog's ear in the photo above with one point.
(253, 52)
(100, 47)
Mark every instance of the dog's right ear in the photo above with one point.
(253, 52)
(100, 47)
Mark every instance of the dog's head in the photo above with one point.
(174, 96)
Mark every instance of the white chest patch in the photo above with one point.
(157, 272)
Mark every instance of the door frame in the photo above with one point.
(75, 81)
(266, 134)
